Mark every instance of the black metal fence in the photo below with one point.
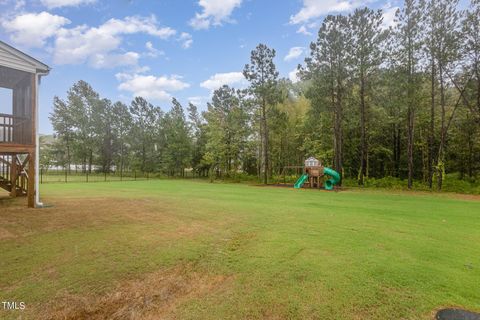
(65, 176)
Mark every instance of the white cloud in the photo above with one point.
(136, 24)
(198, 100)
(389, 16)
(186, 39)
(33, 29)
(99, 46)
(304, 30)
(64, 3)
(19, 4)
(151, 87)
(82, 44)
(214, 12)
(100, 61)
(313, 9)
(294, 53)
(152, 51)
(220, 79)
(138, 69)
(292, 75)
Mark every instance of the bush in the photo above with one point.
(451, 183)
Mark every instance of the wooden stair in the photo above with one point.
(16, 186)
(7, 185)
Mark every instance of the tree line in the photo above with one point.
(371, 101)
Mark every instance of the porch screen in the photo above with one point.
(16, 126)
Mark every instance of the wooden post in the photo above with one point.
(32, 154)
(13, 176)
(31, 180)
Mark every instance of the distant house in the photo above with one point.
(20, 77)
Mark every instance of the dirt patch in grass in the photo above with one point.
(471, 197)
(5, 234)
(18, 221)
(157, 296)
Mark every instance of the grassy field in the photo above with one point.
(165, 249)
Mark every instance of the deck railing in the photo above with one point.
(15, 130)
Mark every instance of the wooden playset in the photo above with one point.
(314, 174)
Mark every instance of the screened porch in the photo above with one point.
(16, 107)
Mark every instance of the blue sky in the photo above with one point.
(159, 49)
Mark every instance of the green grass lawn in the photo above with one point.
(194, 250)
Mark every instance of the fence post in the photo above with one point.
(147, 176)
(41, 176)
(86, 175)
(135, 174)
(105, 176)
(66, 175)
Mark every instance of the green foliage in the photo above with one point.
(451, 184)
(372, 103)
(263, 76)
(178, 145)
(227, 131)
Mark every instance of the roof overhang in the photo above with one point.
(30, 64)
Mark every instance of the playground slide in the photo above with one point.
(301, 181)
(335, 178)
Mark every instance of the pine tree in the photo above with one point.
(121, 122)
(263, 76)
(144, 118)
(63, 124)
(442, 38)
(366, 56)
(406, 56)
(178, 143)
(327, 68)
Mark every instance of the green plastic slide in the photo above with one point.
(301, 181)
(335, 178)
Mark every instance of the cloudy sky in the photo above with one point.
(162, 48)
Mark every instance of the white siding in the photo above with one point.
(10, 60)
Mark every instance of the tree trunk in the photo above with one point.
(410, 142)
(478, 88)
(363, 138)
(410, 108)
(68, 156)
(90, 161)
(338, 134)
(265, 142)
(432, 128)
(396, 150)
(121, 159)
(443, 133)
(143, 156)
(260, 152)
(470, 157)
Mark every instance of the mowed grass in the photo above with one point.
(194, 250)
